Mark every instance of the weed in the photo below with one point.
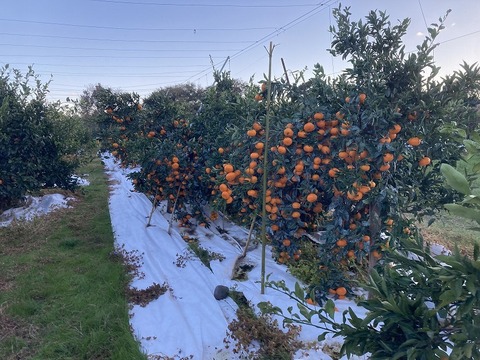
(259, 337)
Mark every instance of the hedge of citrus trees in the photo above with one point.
(39, 143)
(354, 158)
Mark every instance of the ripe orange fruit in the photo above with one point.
(231, 176)
(343, 154)
(309, 127)
(414, 141)
(282, 150)
(312, 197)
(308, 148)
(286, 242)
(395, 129)
(252, 193)
(318, 116)
(256, 126)
(310, 302)
(388, 157)
(365, 167)
(296, 205)
(362, 98)
(351, 254)
(221, 150)
(288, 132)
(296, 214)
(425, 161)
(302, 134)
(287, 141)
(339, 115)
(341, 243)
(258, 97)
(366, 238)
(376, 254)
(384, 167)
(334, 131)
(254, 155)
(228, 168)
(252, 132)
(333, 172)
(259, 145)
(341, 291)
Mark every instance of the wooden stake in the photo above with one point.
(263, 231)
(173, 212)
(285, 71)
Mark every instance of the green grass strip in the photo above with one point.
(62, 295)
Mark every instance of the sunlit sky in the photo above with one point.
(142, 45)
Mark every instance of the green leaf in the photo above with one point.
(462, 211)
(299, 293)
(330, 308)
(455, 179)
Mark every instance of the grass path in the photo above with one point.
(62, 294)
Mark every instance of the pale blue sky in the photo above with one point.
(141, 45)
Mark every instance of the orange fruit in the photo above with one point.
(296, 205)
(425, 161)
(309, 127)
(252, 132)
(259, 145)
(286, 242)
(341, 243)
(333, 172)
(308, 148)
(343, 154)
(384, 167)
(389, 222)
(362, 98)
(334, 131)
(231, 176)
(254, 155)
(318, 116)
(288, 132)
(221, 150)
(395, 129)
(228, 168)
(302, 134)
(388, 157)
(252, 193)
(281, 150)
(321, 124)
(296, 214)
(258, 97)
(414, 141)
(341, 291)
(312, 197)
(365, 167)
(256, 126)
(287, 141)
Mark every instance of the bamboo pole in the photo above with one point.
(265, 168)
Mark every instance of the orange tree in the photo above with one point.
(30, 156)
(181, 143)
(352, 156)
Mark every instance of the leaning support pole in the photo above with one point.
(263, 231)
(173, 212)
(154, 206)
